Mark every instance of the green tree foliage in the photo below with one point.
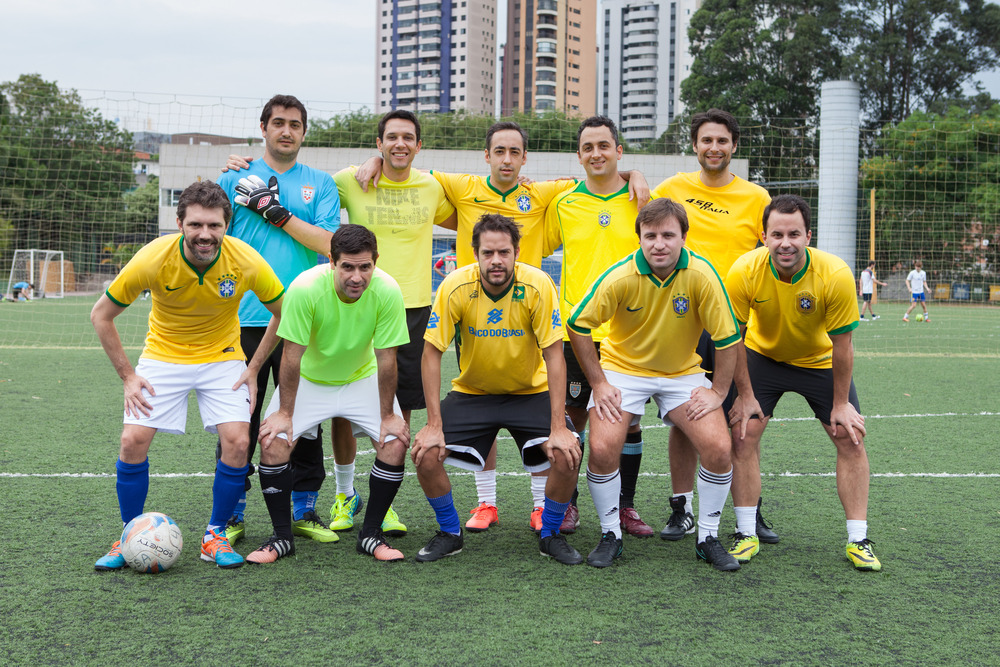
(779, 52)
(63, 169)
(937, 191)
(142, 209)
(907, 55)
(549, 131)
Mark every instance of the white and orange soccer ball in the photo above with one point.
(151, 542)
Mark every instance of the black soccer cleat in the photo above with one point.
(441, 545)
(711, 551)
(555, 546)
(680, 523)
(606, 551)
(764, 532)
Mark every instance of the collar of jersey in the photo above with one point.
(582, 189)
(798, 276)
(502, 294)
(200, 274)
(645, 269)
(503, 195)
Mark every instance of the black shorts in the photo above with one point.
(867, 296)
(471, 423)
(577, 387)
(410, 385)
(770, 379)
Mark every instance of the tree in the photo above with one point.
(63, 169)
(142, 210)
(907, 55)
(937, 191)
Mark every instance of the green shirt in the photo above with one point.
(341, 338)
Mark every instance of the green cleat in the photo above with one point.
(861, 555)
(234, 530)
(744, 547)
(344, 510)
(312, 527)
(391, 525)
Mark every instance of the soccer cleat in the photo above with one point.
(391, 525)
(536, 520)
(764, 531)
(312, 527)
(906, 318)
(606, 551)
(632, 524)
(344, 510)
(876, 317)
(744, 547)
(556, 546)
(376, 546)
(483, 517)
(272, 550)
(441, 545)
(927, 318)
(113, 560)
(234, 530)
(711, 551)
(862, 556)
(218, 551)
(680, 523)
(571, 520)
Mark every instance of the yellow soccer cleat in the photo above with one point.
(861, 555)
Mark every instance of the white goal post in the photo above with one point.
(42, 268)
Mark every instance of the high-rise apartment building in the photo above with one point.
(644, 58)
(436, 55)
(550, 58)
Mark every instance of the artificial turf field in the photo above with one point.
(929, 392)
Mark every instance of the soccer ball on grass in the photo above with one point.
(151, 542)
(920, 317)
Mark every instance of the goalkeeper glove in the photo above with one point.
(262, 199)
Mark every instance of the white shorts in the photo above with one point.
(213, 385)
(668, 393)
(357, 402)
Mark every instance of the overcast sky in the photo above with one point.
(322, 51)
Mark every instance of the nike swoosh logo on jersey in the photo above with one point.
(569, 201)
(397, 231)
(171, 289)
(760, 300)
(480, 201)
(633, 310)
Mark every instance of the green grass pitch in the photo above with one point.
(929, 391)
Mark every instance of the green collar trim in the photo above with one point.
(200, 274)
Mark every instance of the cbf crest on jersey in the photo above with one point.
(227, 285)
(681, 304)
(604, 218)
(523, 203)
(307, 193)
(518, 293)
(805, 303)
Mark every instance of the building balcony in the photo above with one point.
(549, 7)
(643, 14)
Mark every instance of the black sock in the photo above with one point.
(383, 484)
(276, 485)
(629, 465)
(583, 463)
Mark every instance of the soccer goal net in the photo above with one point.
(43, 271)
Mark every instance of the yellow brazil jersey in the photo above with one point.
(402, 215)
(500, 339)
(595, 231)
(792, 321)
(473, 196)
(724, 222)
(655, 325)
(194, 316)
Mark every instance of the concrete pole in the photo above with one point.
(839, 130)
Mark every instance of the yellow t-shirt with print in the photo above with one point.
(793, 321)
(402, 215)
(500, 338)
(473, 196)
(194, 318)
(655, 324)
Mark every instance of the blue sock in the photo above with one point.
(229, 484)
(552, 516)
(302, 502)
(447, 515)
(132, 485)
(241, 506)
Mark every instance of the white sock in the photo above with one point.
(538, 490)
(713, 489)
(345, 478)
(605, 490)
(856, 530)
(746, 520)
(486, 486)
(688, 502)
